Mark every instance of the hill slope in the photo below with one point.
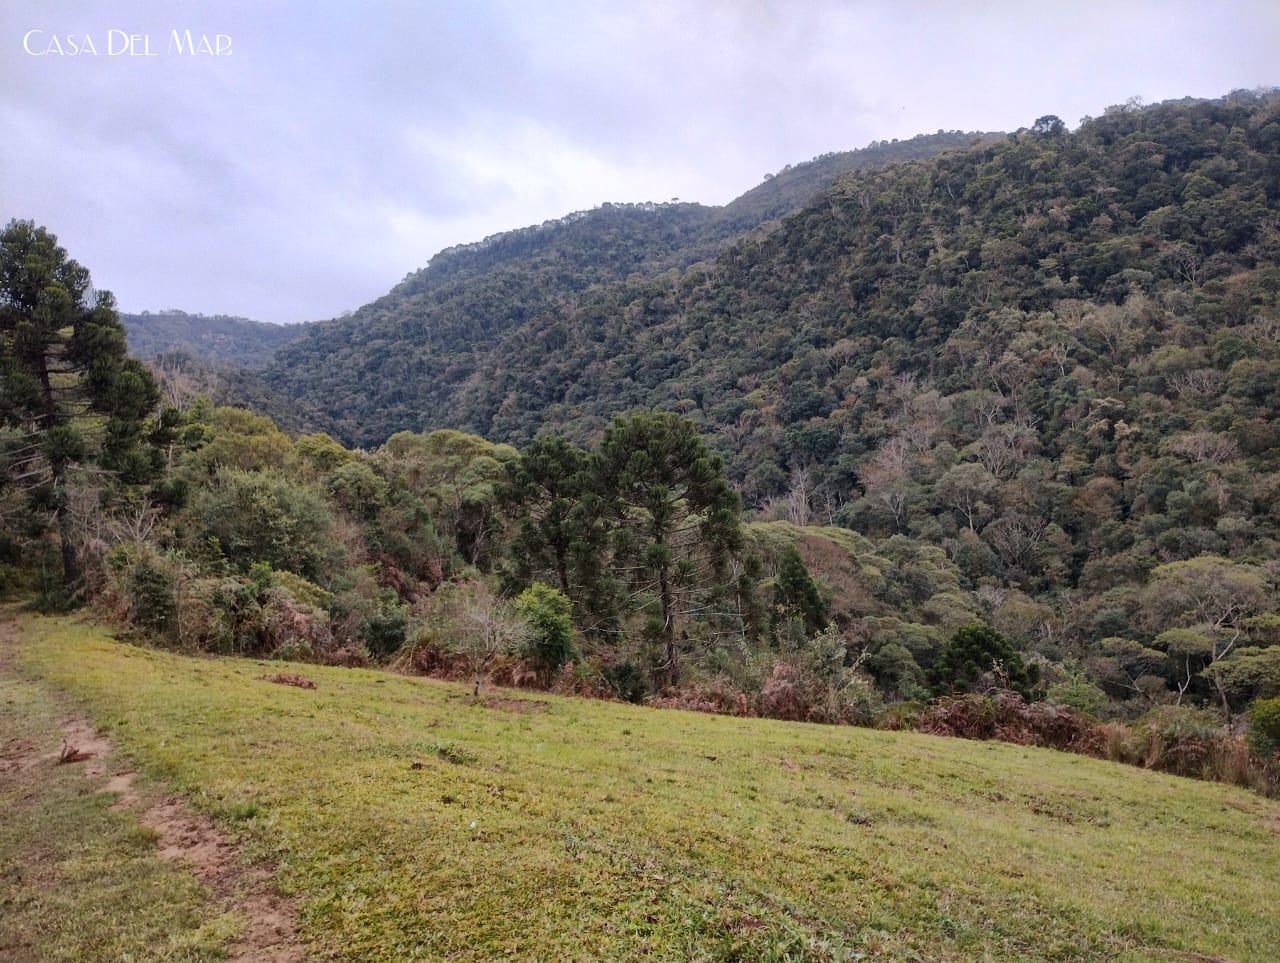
(1055, 357)
(215, 339)
(398, 362)
(409, 820)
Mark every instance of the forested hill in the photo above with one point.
(216, 339)
(400, 361)
(795, 185)
(1067, 292)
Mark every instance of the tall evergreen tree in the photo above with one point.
(675, 515)
(69, 393)
(797, 594)
(544, 488)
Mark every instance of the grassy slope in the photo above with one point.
(415, 824)
(80, 881)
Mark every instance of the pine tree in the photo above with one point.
(797, 594)
(544, 490)
(675, 515)
(978, 653)
(69, 394)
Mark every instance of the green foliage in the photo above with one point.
(358, 488)
(1078, 693)
(1264, 726)
(978, 656)
(265, 517)
(150, 587)
(385, 627)
(673, 513)
(1048, 357)
(216, 338)
(1249, 674)
(548, 614)
(70, 393)
(1036, 373)
(797, 594)
(559, 538)
(479, 307)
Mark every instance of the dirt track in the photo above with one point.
(270, 933)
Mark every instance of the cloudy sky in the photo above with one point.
(341, 144)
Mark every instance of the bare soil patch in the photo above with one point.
(285, 678)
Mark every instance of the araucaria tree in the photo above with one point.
(69, 394)
(675, 518)
(547, 488)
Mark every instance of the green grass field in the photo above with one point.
(412, 823)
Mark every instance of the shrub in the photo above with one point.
(1080, 694)
(141, 585)
(1188, 742)
(797, 594)
(461, 630)
(807, 690)
(719, 696)
(627, 681)
(1008, 717)
(151, 589)
(385, 628)
(901, 716)
(548, 613)
(264, 517)
(1264, 726)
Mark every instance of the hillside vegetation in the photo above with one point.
(413, 821)
(1037, 376)
(400, 362)
(214, 339)
(1119, 601)
(1053, 357)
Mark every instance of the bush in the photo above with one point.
(385, 628)
(1080, 694)
(809, 690)
(719, 696)
(1008, 717)
(548, 613)
(1188, 742)
(627, 681)
(141, 584)
(263, 517)
(901, 716)
(151, 589)
(1264, 726)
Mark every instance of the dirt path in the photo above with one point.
(270, 934)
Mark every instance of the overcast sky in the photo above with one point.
(341, 144)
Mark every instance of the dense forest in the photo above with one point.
(401, 361)
(215, 339)
(983, 442)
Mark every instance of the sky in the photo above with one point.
(338, 145)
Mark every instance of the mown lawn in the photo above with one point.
(415, 824)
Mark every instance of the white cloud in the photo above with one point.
(343, 144)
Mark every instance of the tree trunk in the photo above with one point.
(70, 564)
(562, 570)
(668, 628)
